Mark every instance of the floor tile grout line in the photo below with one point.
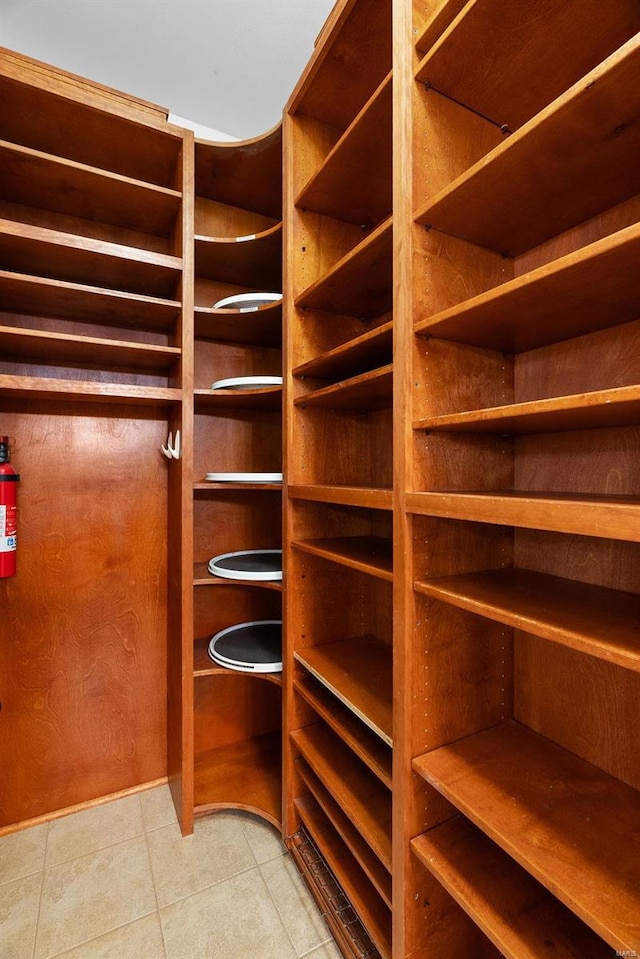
(278, 913)
(34, 946)
(311, 901)
(153, 883)
(107, 932)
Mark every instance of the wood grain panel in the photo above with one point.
(83, 656)
(597, 720)
(597, 361)
(469, 663)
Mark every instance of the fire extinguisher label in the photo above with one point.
(8, 528)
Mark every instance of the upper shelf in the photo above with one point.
(360, 284)
(597, 410)
(250, 261)
(612, 517)
(370, 350)
(46, 182)
(593, 288)
(572, 826)
(245, 173)
(264, 398)
(371, 391)
(569, 163)
(373, 497)
(38, 296)
(595, 620)
(82, 391)
(43, 120)
(347, 66)
(261, 327)
(520, 61)
(34, 346)
(354, 182)
(64, 256)
(369, 554)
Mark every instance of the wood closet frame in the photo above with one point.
(451, 751)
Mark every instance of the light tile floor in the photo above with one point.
(118, 881)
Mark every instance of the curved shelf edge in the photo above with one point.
(206, 808)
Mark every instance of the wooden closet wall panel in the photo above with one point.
(84, 644)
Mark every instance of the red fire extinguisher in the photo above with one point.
(8, 511)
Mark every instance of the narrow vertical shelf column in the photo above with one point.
(339, 661)
(231, 719)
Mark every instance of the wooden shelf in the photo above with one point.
(97, 133)
(517, 914)
(443, 14)
(366, 745)
(613, 517)
(31, 345)
(202, 577)
(598, 410)
(38, 296)
(368, 496)
(360, 284)
(251, 261)
(354, 182)
(203, 665)
(262, 327)
(569, 824)
(359, 671)
(370, 864)
(523, 64)
(244, 775)
(371, 391)
(347, 68)
(264, 398)
(349, 873)
(596, 620)
(518, 196)
(371, 350)
(54, 184)
(369, 554)
(591, 289)
(42, 388)
(245, 174)
(64, 256)
(351, 785)
(204, 485)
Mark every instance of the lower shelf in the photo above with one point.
(516, 913)
(371, 865)
(375, 916)
(351, 784)
(571, 825)
(245, 775)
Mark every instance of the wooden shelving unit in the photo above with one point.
(455, 187)
(234, 718)
(339, 512)
(94, 322)
(521, 508)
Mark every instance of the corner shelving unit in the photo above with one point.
(95, 308)
(234, 720)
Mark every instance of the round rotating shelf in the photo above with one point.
(249, 647)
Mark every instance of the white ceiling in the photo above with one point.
(227, 64)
